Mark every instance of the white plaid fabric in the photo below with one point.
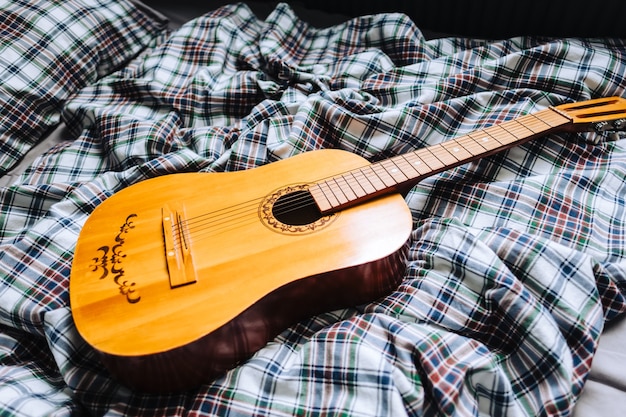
(516, 260)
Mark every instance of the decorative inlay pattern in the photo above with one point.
(110, 260)
(294, 200)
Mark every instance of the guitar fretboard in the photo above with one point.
(390, 175)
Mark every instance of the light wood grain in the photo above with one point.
(237, 264)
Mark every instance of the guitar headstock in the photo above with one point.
(600, 115)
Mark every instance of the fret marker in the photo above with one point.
(485, 139)
(394, 170)
(417, 163)
(455, 149)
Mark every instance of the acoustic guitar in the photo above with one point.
(179, 278)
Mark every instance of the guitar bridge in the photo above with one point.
(177, 248)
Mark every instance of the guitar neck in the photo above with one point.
(402, 171)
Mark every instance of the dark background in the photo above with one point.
(492, 19)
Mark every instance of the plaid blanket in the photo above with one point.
(516, 260)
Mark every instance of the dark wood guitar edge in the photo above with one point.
(202, 361)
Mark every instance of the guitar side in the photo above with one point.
(237, 274)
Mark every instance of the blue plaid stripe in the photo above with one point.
(48, 51)
(30, 383)
(516, 260)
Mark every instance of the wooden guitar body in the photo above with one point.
(179, 278)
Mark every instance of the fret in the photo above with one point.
(337, 192)
(354, 185)
(552, 118)
(499, 134)
(329, 194)
(430, 159)
(403, 163)
(517, 130)
(456, 149)
(393, 170)
(535, 123)
(484, 141)
(365, 182)
(322, 201)
(374, 179)
(345, 188)
(443, 155)
(383, 175)
(470, 145)
(417, 163)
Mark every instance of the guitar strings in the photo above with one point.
(245, 208)
(233, 217)
(229, 223)
(229, 218)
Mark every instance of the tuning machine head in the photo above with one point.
(615, 125)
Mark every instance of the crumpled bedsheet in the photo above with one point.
(516, 260)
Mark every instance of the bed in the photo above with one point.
(511, 295)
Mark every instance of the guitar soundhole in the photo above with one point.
(292, 210)
(296, 209)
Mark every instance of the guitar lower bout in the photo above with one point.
(203, 269)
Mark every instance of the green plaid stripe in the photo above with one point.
(516, 260)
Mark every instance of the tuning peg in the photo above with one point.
(619, 124)
(604, 126)
(601, 126)
(616, 130)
